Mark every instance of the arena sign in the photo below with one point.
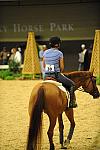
(70, 22)
(38, 27)
(21, 30)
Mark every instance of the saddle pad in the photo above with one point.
(59, 85)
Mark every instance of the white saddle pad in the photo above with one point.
(59, 85)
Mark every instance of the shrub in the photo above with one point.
(27, 76)
(37, 76)
(14, 66)
(30, 76)
(8, 75)
(98, 80)
(5, 73)
(9, 78)
(17, 75)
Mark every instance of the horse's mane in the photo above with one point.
(79, 74)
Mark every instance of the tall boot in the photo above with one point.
(72, 103)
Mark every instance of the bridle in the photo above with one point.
(92, 78)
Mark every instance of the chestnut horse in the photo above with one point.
(49, 98)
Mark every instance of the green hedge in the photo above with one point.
(8, 75)
(98, 80)
(30, 76)
(14, 66)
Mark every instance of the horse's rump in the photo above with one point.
(53, 98)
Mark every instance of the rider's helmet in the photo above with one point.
(54, 41)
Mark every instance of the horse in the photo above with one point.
(48, 97)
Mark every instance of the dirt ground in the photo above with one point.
(14, 119)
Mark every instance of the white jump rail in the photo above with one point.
(2, 67)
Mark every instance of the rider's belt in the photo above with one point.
(53, 74)
(50, 73)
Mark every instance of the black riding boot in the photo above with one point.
(72, 103)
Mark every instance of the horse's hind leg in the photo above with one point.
(70, 114)
(50, 131)
(61, 128)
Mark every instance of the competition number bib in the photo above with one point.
(49, 68)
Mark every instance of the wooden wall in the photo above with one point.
(73, 23)
(69, 21)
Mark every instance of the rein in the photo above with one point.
(81, 88)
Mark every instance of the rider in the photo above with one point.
(53, 63)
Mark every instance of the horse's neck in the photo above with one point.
(79, 77)
(78, 82)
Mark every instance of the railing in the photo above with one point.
(7, 66)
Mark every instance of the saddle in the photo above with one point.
(54, 81)
(58, 84)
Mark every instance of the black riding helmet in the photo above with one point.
(54, 40)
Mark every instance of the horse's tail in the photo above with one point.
(35, 126)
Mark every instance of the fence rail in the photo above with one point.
(7, 66)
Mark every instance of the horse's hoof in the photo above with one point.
(63, 147)
(52, 147)
(66, 143)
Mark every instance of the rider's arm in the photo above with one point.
(43, 63)
(61, 64)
